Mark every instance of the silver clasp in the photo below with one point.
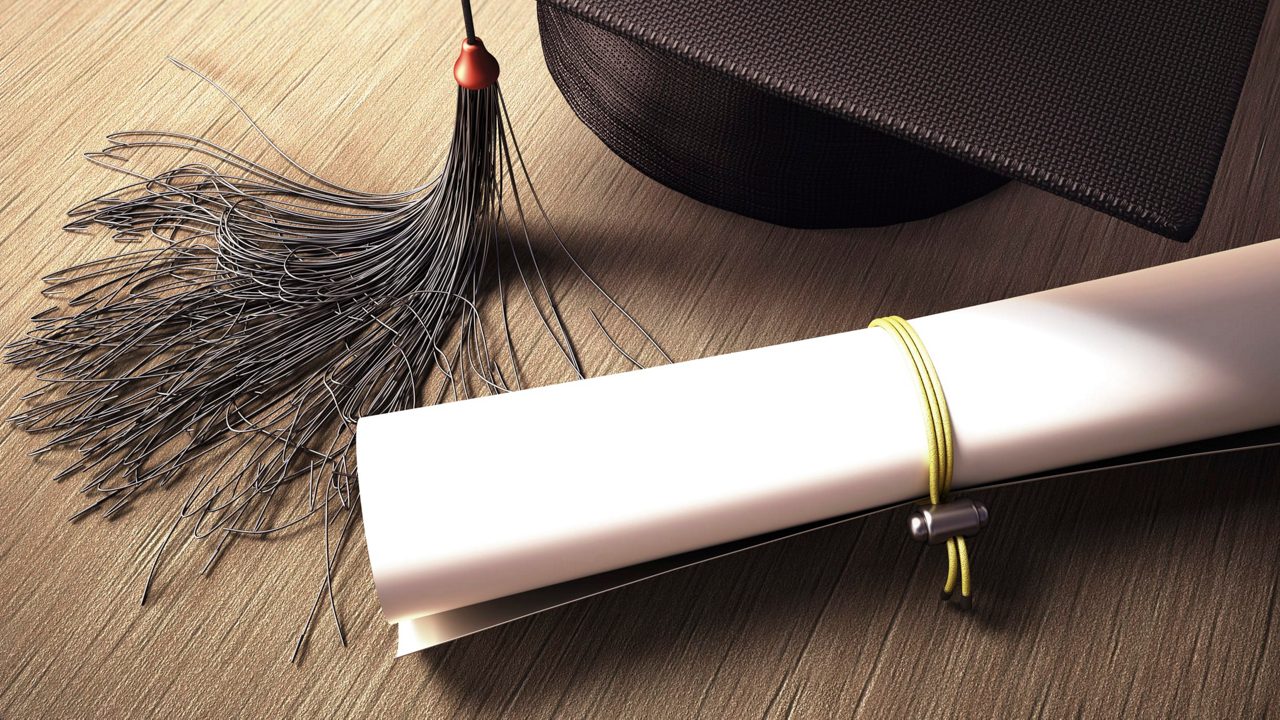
(936, 523)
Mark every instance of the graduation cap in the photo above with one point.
(826, 113)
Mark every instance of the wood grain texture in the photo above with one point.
(1137, 593)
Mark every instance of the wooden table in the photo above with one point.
(1150, 592)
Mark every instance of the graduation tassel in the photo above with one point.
(263, 312)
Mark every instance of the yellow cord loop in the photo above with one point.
(941, 455)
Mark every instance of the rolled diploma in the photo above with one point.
(469, 501)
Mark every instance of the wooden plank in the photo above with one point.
(1148, 592)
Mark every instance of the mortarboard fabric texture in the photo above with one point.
(821, 113)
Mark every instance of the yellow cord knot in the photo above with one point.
(941, 455)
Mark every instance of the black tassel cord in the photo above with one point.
(264, 312)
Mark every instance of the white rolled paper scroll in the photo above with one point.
(468, 505)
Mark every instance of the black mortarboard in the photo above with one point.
(821, 113)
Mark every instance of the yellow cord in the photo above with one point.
(941, 455)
